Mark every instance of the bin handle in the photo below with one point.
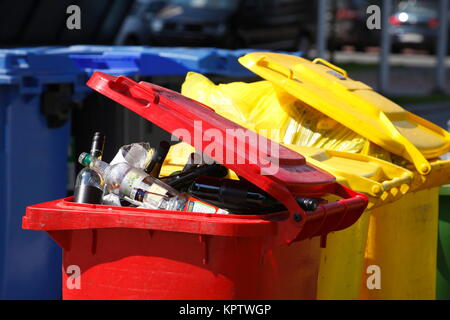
(116, 85)
(331, 66)
(332, 216)
(401, 183)
(275, 66)
(336, 215)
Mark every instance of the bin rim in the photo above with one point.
(64, 214)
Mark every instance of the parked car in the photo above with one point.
(136, 27)
(414, 24)
(269, 24)
(43, 23)
(349, 27)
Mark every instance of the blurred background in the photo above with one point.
(262, 24)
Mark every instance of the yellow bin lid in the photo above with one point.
(328, 89)
(382, 181)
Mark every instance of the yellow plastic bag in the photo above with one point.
(280, 117)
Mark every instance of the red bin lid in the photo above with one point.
(265, 163)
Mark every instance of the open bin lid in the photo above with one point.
(239, 149)
(357, 106)
(253, 159)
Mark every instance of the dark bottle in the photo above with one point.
(187, 176)
(193, 162)
(154, 167)
(89, 185)
(240, 196)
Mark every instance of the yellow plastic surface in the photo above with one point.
(342, 262)
(176, 158)
(402, 241)
(380, 180)
(327, 88)
(438, 176)
(258, 107)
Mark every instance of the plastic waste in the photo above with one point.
(137, 187)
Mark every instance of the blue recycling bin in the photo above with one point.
(33, 159)
(157, 61)
(38, 88)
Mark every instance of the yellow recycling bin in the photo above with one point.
(402, 240)
(393, 134)
(258, 106)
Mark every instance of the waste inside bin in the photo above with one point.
(264, 107)
(443, 253)
(193, 255)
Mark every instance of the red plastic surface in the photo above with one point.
(142, 264)
(131, 253)
(64, 214)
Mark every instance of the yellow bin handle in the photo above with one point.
(331, 66)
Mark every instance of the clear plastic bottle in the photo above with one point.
(138, 187)
(89, 184)
(137, 155)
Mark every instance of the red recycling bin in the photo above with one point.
(135, 253)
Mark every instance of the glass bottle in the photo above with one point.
(138, 187)
(89, 184)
